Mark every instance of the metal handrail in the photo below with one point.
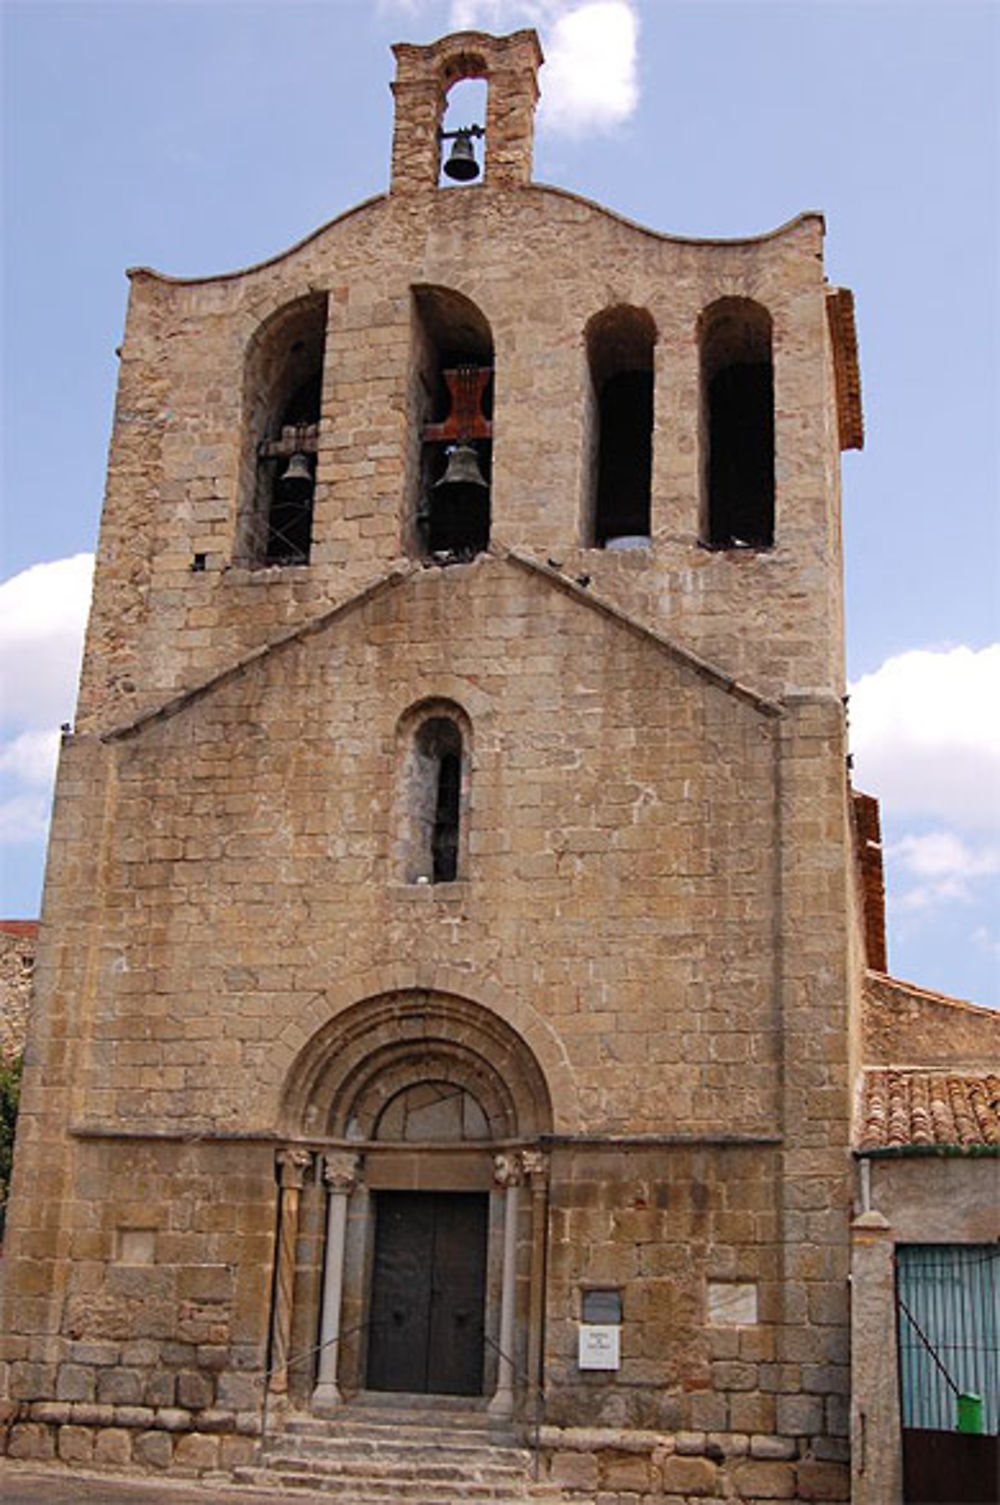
(534, 1388)
(537, 1393)
(300, 1358)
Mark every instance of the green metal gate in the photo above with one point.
(948, 1313)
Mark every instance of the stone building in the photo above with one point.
(450, 977)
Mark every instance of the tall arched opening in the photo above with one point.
(421, 1213)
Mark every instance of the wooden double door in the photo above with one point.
(428, 1292)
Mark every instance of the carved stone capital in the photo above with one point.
(536, 1166)
(341, 1170)
(293, 1165)
(507, 1169)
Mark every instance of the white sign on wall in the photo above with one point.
(600, 1346)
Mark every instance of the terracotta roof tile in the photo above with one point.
(911, 1107)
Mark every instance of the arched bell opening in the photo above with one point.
(461, 131)
(282, 399)
(620, 345)
(422, 1103)
(451, 453)
(737, 425)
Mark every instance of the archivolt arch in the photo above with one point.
(354, 1064)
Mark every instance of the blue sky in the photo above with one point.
(199, 136)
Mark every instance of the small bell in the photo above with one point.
(296, 470)
(462, 469)
(461, 164)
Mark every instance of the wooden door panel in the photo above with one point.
(401, 1292)
(455, 1349)
(428, 1292)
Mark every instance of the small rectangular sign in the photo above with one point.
(600, 1346)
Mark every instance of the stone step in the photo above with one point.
(408, 1449)
(408, 1422)
(368, 1491)
(429, 1466)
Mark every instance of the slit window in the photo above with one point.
(620, 344)
(737, 376)
(437, 791)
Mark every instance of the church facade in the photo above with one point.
(453, 925)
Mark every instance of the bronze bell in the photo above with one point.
(297, 469)
(461, 164)
(462, 469)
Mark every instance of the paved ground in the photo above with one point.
(30, 1484)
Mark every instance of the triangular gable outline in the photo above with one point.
(398, 576)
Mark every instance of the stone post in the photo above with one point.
(536, 1168)
(340, 1172)
(293, 1165)
(876, 1437)
(507, 1173)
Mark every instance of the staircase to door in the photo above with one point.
(374, 1454)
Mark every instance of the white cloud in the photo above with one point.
(24, 817)
(31, 757)
(590, 79)
(925, 732)
(43, 613)
(945, 866)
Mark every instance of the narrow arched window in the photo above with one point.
(620, 345)
(737, 389)
(451, 453)
(437, 795)
(282, 397)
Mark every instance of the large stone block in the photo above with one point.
(34, 1440)
(695, 1477)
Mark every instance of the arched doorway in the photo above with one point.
(424, 1112)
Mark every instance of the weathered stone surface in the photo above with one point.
(764, 1481)
(75, 1382)
(195, 1451)
(195, 1390)
(113, 1447)
(799, 1415)
(29, 1439)
(696, 1477)
(121, 1387)
(236, 1452)
(626, 1472)
(822, 1481)
(75, 1444)
(153, 1449)
(574, 1470)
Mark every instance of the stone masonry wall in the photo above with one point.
(609, 784)
(538, 275)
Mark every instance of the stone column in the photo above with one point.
(340, 1172)
(293, 1165)
(536, 1168)
(507, 1173)
(876, 1438)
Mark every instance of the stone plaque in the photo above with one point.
(732, 1303)
(600, 1346)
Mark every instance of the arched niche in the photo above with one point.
(433, 763)
(451, 410)
(282, 399)
(354, 1066)
(737, 425)
(620, 343)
